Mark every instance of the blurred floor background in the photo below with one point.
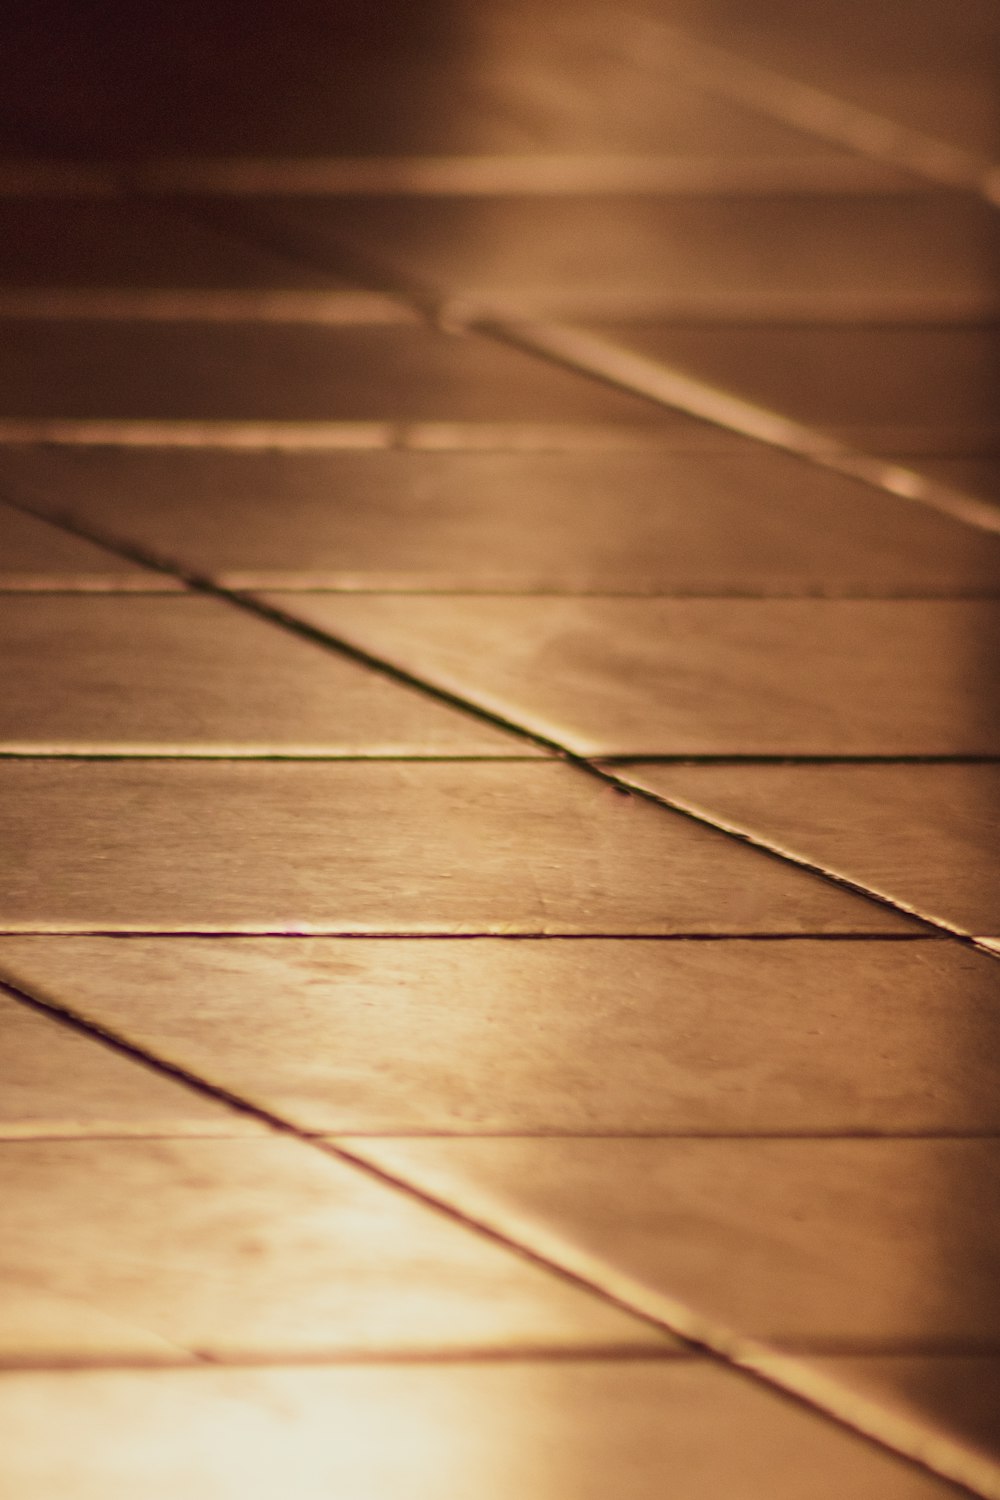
(499, 587)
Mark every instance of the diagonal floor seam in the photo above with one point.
(654, 43)
(700, 1336)
(730, 1348)
(598, 358)
(778, 1371)
(768, 846)
(784, 1372)
(251, 604)
(588, 353)
(728, 758)
(760, 1365)
(83, 1025)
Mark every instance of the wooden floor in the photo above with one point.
(500, 751)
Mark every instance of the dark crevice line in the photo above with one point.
(721, 1354)
(94, 1031)
(433, 306)
(332, 1145)
(440, 309)
(790, 758)
(962, 593)
(484, 934)
(254, 606)
(694, 1346)
(430, 303)
(731, 1137)
(799, 862)
(729, 1349)
(559, 343)
(250, 604)
(117, 1042)
(326, 757)
(201, 584)
(399, 674)
(685, 1345)
(471, 1221)
(600, 759)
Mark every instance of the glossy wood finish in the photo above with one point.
(954, 1398)
(698, 677)
(925, 836)
(591, 1036)
(561, 1430)
(270, 1247)
(644, 518)
(59, 1082)
(795, 1242)
(192, 676)
(867, 385)
(652, 1077)
(299, 847)
(35, 555)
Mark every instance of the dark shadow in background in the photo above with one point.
(122, 81)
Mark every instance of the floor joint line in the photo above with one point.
(589, 766)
